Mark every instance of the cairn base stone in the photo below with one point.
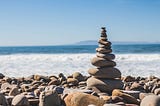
(105, 85)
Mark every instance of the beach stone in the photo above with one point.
(143, 95)
(101, 62)
(132, 93)
(107, 99)
(157, 91)
(7, 79)
(103, 46)
(49, 98)
(20, 100)
(37, 92)
(71, 90)
(82, 99)
(128, 98)
(103, 50)
(59, 89)
(136, 86)
(54, 81)
(106, 56)
(129, 79)
(116, 99)
(104, 38)
(62, 77)
(151, 100)
(1, 76)
(78, 76)
(3, 100)
(14, 91)
(6, 86)
(106, 43)
(33, 102)
(72, 81)
(104, 85)
(105, 72)
(40, 77)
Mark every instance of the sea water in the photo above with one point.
(133, 59)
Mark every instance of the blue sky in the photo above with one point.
(56, 22)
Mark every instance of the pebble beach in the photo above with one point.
(104, 85)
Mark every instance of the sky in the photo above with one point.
(59, 22)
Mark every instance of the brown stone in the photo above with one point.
(106, 56)
(54, 81)
(72, 81)
(103, 38)
(106, 43)
(151, 100)
(107, 99)
(6, 86)
(82, 99)
(128, 98)
(105, 72)
(14, 91)
(103, 50)
(129, 79)
(20, 100)
(157, 91)
(104, 85)
(143, 95)
(136, 86)
(101, 62)
(49, 98)
(78, 76)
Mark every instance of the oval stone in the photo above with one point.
(101, 62)
(103, 46)
(104, 85)
(106, 43)
(103, 50)
(106, 56)
(82, 99)
(105, 72)
(151, 100)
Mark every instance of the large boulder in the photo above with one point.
(20, 100)
(49, 98)
(105, 72)
(101, 62)
(151, 100)
(105, 85)
(82, 99)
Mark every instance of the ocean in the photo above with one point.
(132, 59)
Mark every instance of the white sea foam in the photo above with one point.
(47, 64)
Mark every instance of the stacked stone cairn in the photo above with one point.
(105, 77)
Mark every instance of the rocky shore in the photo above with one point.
(38, 90)
(104, 87)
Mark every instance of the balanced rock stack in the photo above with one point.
(105, 77)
